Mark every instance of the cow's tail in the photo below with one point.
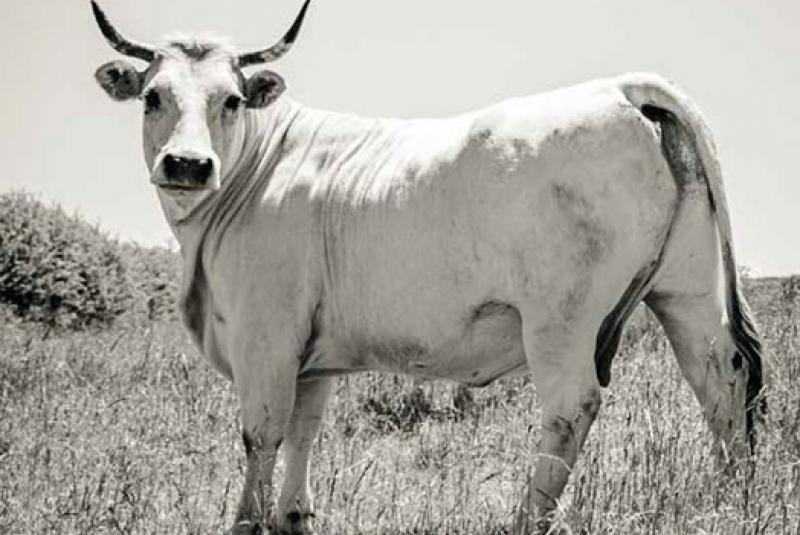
(653, 94)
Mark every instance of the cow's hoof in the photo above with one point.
(554, 528)
(561, 529)
(297, 523)
(247, 527)
(543, 526)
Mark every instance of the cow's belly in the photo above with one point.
(482, 345)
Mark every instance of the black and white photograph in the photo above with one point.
(305, 267)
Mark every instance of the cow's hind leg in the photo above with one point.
(708, 323)
(690, 301)
(565, 377)
(295, 509)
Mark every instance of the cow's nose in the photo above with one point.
(187, 171)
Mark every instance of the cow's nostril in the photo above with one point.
(204, 167)
(171, 165)
(188, 171)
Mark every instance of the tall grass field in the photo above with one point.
(111, 422)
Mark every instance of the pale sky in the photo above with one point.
(63, 138)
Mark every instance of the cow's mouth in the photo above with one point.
(179, 187)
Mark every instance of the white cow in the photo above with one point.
(513, 239)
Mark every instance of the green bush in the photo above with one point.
(58, 269)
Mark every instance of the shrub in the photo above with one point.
(156, 275)
(58, 269)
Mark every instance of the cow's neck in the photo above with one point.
(261, 140)
(201, 234)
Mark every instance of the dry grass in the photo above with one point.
(128, 431)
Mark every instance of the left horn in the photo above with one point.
(278, 49)
(118, 41)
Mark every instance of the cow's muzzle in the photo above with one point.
(185, 172)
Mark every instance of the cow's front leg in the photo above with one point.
(265, 380)
(295, 507)
(566, 382)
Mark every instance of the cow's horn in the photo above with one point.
(278, 49)
(118, 41)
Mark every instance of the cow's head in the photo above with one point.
(194, 94)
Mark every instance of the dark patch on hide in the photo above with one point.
(590, 408)
(575, 298)
(483, 134)
(590, 405)
(585, 227)
(253, 446)
(500, 155)
(490, 308)
(313, 335)
(563, 429)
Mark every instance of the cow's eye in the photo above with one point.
(232, 103)
(152, 101)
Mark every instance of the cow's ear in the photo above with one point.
(120, 80)
(263, 88)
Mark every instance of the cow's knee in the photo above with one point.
(567, 421)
